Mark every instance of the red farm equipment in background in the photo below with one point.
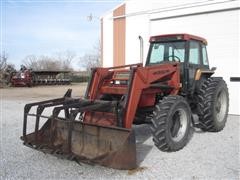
(28, 77)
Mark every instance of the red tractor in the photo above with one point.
(23, 77)
(175, 83)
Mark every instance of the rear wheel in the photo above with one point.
(171, 123)
(213, 104)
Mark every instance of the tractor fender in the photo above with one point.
(200, 76)
(203, 73)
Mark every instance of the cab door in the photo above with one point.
(195, 61)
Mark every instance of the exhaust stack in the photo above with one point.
(141, 48)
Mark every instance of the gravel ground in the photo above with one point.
(207, 155)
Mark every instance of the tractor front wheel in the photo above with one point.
(171, 123)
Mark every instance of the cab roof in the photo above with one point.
(176, 37)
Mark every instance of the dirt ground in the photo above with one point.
(42, 92)
(206, 156)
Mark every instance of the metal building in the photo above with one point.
(216, 20)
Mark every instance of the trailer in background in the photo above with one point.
(28, 77)
(45, 77)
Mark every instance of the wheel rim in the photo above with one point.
(179, 125)
(221, 106)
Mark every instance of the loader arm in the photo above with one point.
(141, 84)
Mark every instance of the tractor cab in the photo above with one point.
(189, 50)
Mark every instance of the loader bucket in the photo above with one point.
(109, 146)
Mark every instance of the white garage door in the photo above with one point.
(221, 29)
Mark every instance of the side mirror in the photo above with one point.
(213, 69)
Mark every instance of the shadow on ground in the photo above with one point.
(142, 133)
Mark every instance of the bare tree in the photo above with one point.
(92, 58)
(31, 61)
(62, 61)
(41, 63)
(89, 61)
(6, 70)
(3, 61)
(48, 63)
(66, 58)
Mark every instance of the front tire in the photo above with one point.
(213, 104)
(171, 123)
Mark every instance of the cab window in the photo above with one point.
(204, 55)
(157, 53)
(166, 51)
(194, 55)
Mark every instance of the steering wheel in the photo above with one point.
(173, 57)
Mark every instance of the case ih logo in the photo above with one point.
(161, 72)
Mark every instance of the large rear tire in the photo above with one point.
(213, 104)
(171, 123)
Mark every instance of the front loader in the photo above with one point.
(174, 84)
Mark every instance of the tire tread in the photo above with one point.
(159, 121)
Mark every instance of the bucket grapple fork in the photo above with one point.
(72, 138)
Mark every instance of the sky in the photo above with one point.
(47, 27)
